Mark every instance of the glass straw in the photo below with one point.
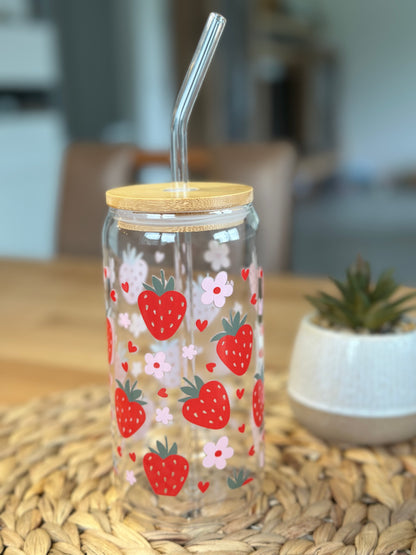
(187, 95)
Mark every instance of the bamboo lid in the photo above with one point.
(163, 198)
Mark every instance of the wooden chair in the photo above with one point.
(269, 169)
(89, 169)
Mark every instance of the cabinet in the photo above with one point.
(32, 138)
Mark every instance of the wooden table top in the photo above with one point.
(53, 333)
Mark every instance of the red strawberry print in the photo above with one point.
(162, 308)
(239, 479)
(258, 398)
(235, 344)
(110, 340)
(129, 410)
(165, 469)
(206, 404)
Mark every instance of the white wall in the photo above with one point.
(376, 41)
(32, 145)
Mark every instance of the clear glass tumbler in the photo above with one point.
(184, 302)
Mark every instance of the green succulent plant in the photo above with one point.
(363, 305)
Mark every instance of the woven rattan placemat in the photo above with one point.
(55, 490)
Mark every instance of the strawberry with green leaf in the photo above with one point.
(239, 479)
(235, 344)
(206, 404)
(165, 469)
(129, 408)
(162, 308)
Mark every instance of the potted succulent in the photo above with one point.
(352, 376)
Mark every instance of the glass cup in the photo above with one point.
(184, 302)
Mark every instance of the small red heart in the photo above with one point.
(119, 450)
(105, 270)
(113, 295)
(132, 348)
(132, 456)
(253, 299)
(125, 286)
(162, 392)
(244, 273)
(210, 366)
(240, 392)
(125, 366)
(242, 428)
(201, 325)
(252, 451)
(203, 487)
(261, 272)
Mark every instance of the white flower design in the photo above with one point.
(156, 364)
(216, 289)
(163, 415)
(189, 351)
(238, 307)
(137, 369)
(124, 320)
(137, 325)
(216, 454)
(217, 255)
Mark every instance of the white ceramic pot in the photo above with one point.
(353, 388)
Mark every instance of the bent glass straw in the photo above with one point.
(187, 95)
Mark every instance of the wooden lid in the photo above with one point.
(162, 198)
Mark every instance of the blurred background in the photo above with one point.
(337, 79)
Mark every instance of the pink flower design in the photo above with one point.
(189, 351)
(156, 364)
(130, 477)
(253, 278)
(163, 415)
(260, 307)
(216, 289)
(216, 454)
